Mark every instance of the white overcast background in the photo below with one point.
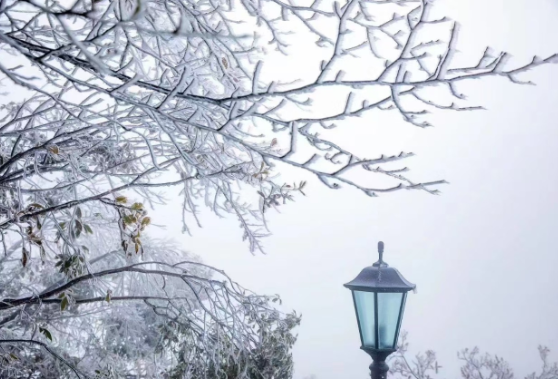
(483, 254)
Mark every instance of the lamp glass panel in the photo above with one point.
(365, 303)
(389, 307)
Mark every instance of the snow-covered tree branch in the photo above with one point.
(151, 318)
(139, 95)
(126, 98)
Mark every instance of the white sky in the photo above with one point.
(483, 254)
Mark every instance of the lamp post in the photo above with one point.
(379, 294)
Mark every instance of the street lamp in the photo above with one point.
(379, 294)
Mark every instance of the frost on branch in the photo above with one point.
(475, 365)
(139, 95)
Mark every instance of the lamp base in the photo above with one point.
(379, 368)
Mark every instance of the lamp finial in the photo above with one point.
(381, 251)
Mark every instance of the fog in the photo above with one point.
(483, 253)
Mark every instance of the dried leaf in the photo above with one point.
(137, 206)
(24, 256)
(121, 199)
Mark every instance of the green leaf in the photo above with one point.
(78, 212)
(14, 357)
(146, 221)
(78, 228)
(88, 229)
(64, 304)
(121, 199)
(46, 333)
(62, 225)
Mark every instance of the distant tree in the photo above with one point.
(476, 365)
(126, 98)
